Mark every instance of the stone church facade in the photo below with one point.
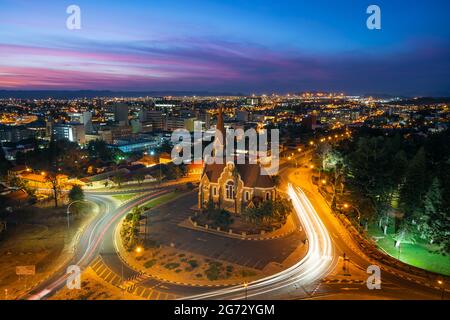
(234, 187)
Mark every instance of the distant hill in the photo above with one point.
(67, 94)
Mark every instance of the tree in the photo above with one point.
(220, 217)
(139, 177)
(434, 224)
(118, 179)
(269, 212)
(276, 180)
(4, 164)
(414, 188)
(76, 193)
(98, 149)
(56, 186)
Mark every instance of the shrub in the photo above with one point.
(193, 264)
(213, 272)
(150, 263)
(172, 265)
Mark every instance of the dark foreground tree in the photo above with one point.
(76, 193)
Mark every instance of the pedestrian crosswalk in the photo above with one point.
(132, 285)
(342, 281)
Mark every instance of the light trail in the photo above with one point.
(316, 264)
(104, 223)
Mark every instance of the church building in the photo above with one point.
(231, 186)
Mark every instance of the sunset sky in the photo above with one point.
(235, 46)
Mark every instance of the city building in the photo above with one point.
(84, 118)
(154, 117)
(121, 113)
(73, 132)
(14, 133)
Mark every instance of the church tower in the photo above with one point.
(220, 135)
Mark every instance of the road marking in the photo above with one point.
(110, 277)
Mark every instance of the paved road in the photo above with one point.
(92, 241)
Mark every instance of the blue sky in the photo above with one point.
(240, 46)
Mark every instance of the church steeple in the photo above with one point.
(220, 136)
(220, 124)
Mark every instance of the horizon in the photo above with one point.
(221, 46)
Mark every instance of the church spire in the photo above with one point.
(220, 124)
(220, 137)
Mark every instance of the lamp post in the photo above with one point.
(68, 210)
(442, 284)
(246, 288)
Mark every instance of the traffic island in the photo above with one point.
(238, 232)
(169, 264)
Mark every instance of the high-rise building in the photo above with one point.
(121, 113)
(174, 123)
(73, 132)
(14, 133)
(84, 118)
(155, 117)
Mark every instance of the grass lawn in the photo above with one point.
(418, 254)
(124, 197)
(160, 200)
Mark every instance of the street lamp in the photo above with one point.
(68, 210)
(246, 288)
(138, 249)
(442, 284)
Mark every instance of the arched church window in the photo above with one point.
(230, 192)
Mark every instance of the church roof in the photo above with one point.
(251, 174)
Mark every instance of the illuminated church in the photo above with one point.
(231, 186)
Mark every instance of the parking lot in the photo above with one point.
(164, 228)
